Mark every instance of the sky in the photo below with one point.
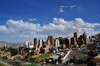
(24, 20)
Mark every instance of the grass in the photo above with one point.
(43, 56)
(2, 64)
(31, 65)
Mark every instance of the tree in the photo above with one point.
(91, 63)
(92, 54)
(4, 57)
(91, 47)
(26, 57)
(13, 51)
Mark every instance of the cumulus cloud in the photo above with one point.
(61, 26)
(61, 10)
(73, 6)
(32, 19)
(3, 30)
(58, 27)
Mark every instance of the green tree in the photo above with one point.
(92, 53)
(26, 57)
(91, 47)
(91, 63)
(13, 51)
(4, 57)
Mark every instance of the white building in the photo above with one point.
(28, 45)
(57, 43)
(40, 43)
(76, 35)
(48, 42)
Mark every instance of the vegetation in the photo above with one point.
(91, 47)
(31, 65)
(2, 64)
(4, 57)
(26, 57)
(43, 56)
(92, 54)
(13, 51)
(91, 63)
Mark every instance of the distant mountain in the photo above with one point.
(9, 44)
(20, 43)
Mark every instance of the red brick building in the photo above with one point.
(46, 49)
(50, 38)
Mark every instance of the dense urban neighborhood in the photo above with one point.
(78, 50)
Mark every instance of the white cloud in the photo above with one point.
(61, 10)
(3, 29)
(32, 19)
(73, 6)
(63, 6)
(58, 27)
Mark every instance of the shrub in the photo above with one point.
(91, 63)
(4, 57)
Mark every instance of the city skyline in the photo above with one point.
(23, 20)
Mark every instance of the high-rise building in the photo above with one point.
(62, 40)
(68, 41)
(48, 42)
(84, 36)
(35, 42)
(40, 42)
(73, 41)
(50, 38)
(57, 43)
(87, 41)
(76, 35)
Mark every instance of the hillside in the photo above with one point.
(9, 44)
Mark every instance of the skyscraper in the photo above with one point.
(35, 42)
(48, 42)
(62, 40)
(73, 41)
(40, 42)
(50, 38)
(84, 36)
(76, 35)
(68, 41)
(57, 43)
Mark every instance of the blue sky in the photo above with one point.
(23, 20)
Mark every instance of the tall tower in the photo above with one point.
(76, 35)
(84, 37)
(50, 38)
(73, 41)
(35, 42)
(40, 42)
(57, 43)
(68, 40)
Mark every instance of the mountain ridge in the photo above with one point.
(9, 44)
